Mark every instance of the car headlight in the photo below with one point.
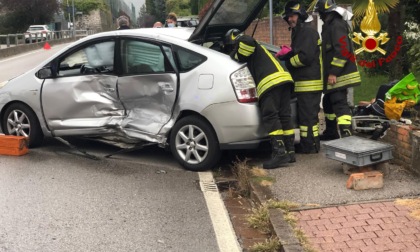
(2, 84)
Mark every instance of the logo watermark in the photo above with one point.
(370, 26)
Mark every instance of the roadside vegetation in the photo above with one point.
(247, 176)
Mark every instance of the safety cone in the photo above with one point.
(47, 46)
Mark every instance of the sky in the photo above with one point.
(137, 4)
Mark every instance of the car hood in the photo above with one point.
(224, 15)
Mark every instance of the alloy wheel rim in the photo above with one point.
(18, 124)
(192, 144)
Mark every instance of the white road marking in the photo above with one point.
(225, 234)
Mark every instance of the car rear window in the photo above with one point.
(36, 28)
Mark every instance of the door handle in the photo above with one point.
(166, 86)
(110, 90)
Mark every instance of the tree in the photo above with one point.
(22, 13)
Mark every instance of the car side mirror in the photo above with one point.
(45, 73)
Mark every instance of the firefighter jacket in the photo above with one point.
(266, 69)
(305, 62)
(336, 44)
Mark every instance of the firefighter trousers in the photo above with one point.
(275, 108)
(308, 106)
(335, 102)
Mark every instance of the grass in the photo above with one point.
(369, 87)
(270, 245)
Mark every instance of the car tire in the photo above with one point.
(194, 144)
(20, 120)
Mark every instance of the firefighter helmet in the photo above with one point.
(231, 36)
(324, 6)
(294, 7)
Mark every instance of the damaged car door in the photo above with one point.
(83, 94)
(147, 87)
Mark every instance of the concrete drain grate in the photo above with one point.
(208, 186)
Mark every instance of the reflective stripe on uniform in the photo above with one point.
(303, 131)
(344, 120)
(315, 130)
(271, 80)
(276, 133)
(295, 61)
(330, 117)
(245, 49)
(309, 85)
(338, 62)
(289, 132)
(346, 80)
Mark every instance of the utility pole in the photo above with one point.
(73, 28)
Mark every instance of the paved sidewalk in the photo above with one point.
(380, 226)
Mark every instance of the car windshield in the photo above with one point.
(232, 12)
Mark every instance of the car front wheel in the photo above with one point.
(20, 120)
(194, 144)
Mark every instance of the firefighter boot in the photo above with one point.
(306, 146)
(279, 155)
(289, 143)
(345, 130)
(330, 132)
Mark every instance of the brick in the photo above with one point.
(382, 240)
(374, 221)
(362, 217)
(361, 236)
(365, 210)
(316, 240)
(312, 212)
(382, 215)
(354, 224)
(335, 245)
(384, 233)
(338, 220)
(396, 246)
(347, 231)
(355, 243)
(322, 222)
(327, 233)
(13, 145)
(333, 226)
(403, 238)
(368, 242)
(364, 181)
(410, 231)
(341, 238)
(372, 228)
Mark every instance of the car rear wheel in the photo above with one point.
(194, 144)
(20, 120)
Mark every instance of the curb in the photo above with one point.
(279, 227)
(11, 51)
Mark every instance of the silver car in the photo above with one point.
(170, 87)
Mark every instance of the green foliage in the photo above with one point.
(180, 7)
(20, 14)
(412, 38)
(369, 87)
(85, 6)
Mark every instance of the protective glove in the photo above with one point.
(283, 51)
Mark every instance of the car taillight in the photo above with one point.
(244, 85)
(44, 32)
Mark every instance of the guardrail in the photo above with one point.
(11, 40)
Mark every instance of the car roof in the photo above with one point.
(224, 15)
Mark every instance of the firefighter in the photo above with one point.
(274, 86)
(305, 66)
(340, 72)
